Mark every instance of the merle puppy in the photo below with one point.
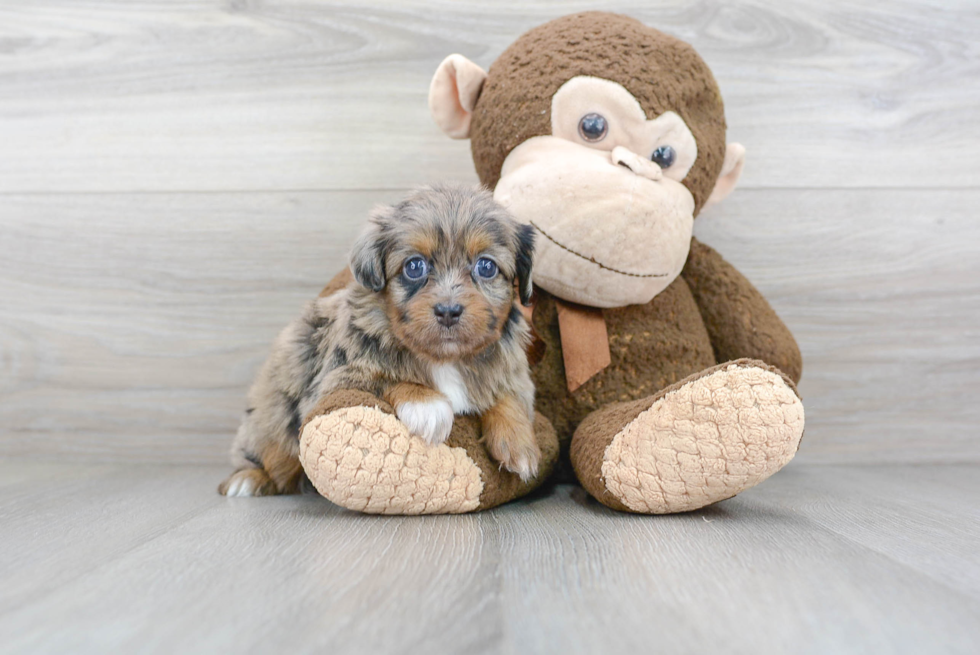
(430, 324)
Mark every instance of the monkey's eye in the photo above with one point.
(593, 127)
(486, 268)
(664, 156)
(416, 268)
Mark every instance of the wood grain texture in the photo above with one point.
(214, 95)
(820, 559)
(923, 517)
(133, 324)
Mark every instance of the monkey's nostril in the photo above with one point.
(633, 162)
(448, 315)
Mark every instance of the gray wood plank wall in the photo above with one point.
(177, 179)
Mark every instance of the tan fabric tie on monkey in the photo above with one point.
(584, 341)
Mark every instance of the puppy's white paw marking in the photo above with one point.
(240, 485)
(449, 381)
(431, 419)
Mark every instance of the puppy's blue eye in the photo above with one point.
(416, 268)
(486, 268)
(664, 156)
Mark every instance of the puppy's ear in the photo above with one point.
(525, 256)
(367, 257)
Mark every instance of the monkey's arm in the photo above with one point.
(740, 322)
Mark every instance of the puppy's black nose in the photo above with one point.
(448, 314)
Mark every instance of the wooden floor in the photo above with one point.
(821, 559)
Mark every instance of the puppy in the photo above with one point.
(430, 324)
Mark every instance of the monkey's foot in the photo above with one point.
(358, 455)
(697, 442)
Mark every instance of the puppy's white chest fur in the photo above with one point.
(449, 382)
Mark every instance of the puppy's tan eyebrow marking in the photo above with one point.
(424, 243)
(477, 244)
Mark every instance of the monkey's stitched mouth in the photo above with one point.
(590, 259)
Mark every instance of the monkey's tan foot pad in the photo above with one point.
(701, 441)
(363, 458)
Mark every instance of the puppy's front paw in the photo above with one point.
(430, 419)
(518, 457)
(514, 446)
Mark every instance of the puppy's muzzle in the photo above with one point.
(448, 315)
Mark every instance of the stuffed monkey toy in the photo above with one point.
(663, 376)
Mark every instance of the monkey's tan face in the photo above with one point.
(604, 193)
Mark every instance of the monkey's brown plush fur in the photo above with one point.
(694, 398)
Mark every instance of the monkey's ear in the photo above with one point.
(731, 170)
(453, 93)
(525, 258)
(367, 257)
